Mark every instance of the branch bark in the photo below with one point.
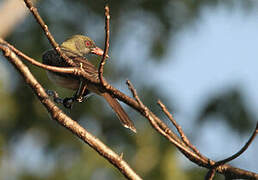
(103, 60)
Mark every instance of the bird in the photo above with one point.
(76, 48)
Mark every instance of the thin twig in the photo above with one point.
(243, 149)
(134, 92)
(44, 27)
(210, 174)
(164, 130)
(66, 121)
(179, 129)
(103, 60)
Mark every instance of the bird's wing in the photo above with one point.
(52, 58)
(88, 67)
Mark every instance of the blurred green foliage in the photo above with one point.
(66, 157)
(231, 108)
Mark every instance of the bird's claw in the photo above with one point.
(80, 99)
(68, 102)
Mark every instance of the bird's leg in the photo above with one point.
(78, 96)
(81, 92)
(68, 102)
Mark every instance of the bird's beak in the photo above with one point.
(98, 51)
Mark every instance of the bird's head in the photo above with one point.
(81, 45)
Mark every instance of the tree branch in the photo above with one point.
(68, 70)
(103, 60)
(44, 27)
(242, 150)
(210, 175)
(179, 130)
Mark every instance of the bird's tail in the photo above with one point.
(122, 115)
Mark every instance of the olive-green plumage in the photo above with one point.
(76, 48)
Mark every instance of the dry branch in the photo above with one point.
(103, 60)
(179, 130)
(241, 151)
(44, 27)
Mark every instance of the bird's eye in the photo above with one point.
(88, 43)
